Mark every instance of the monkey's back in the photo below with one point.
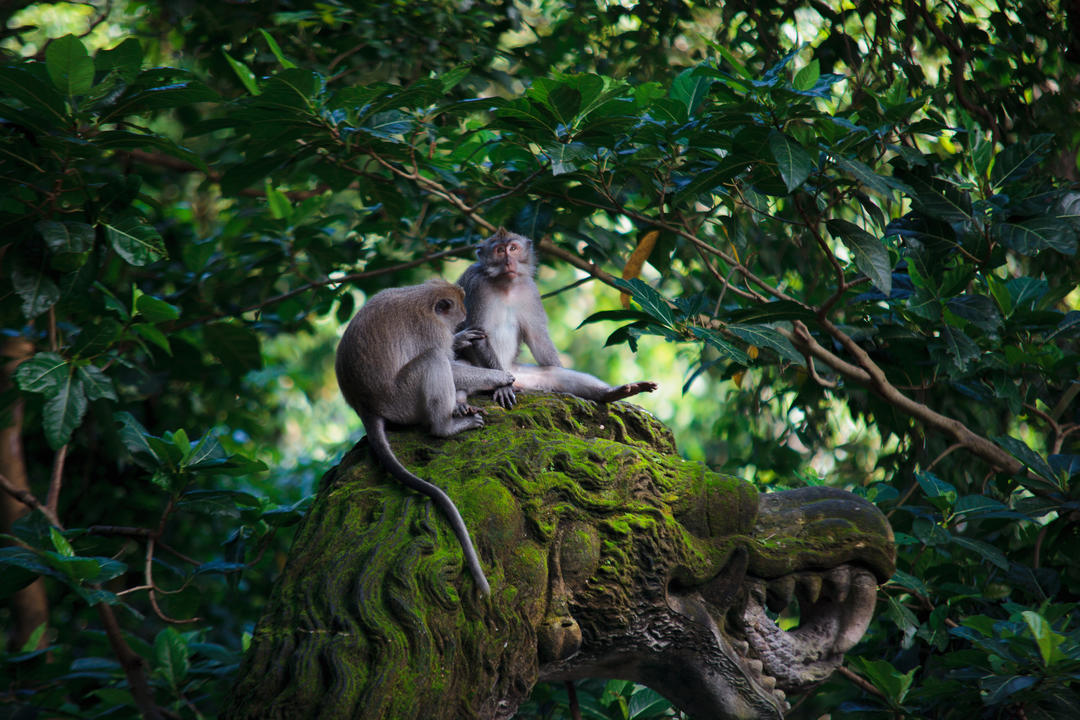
(392, 328)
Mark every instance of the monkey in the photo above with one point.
(502, 300)
(395, 364)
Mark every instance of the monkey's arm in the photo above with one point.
(475, 348)
(465, 339)
(534, 332)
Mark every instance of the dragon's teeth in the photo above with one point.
(810, 584)
(838, 582)
(780, 592)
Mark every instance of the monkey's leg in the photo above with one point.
(427, 384)
(472, 379)
(584, 385)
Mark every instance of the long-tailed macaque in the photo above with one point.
(395, 364)
(502, 300)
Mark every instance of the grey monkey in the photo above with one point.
(502, 300)
(395, 364)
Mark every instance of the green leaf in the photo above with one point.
(287, 515)
(32, 642)
(31, 85)
(37, 292)
(717, 341)
(732, 60)
(73, 237)
(72, 567)
(997, 687)
(98, 385)
(1068, 327)
(986, 550)
(649, 299)
(1045, 637)
(646, 704)
(772, 312)
(763, 336)
(154, 309)
(135, 438)
(125, 140)
(276, 49)
(940, 198)
(1041, 233)
(910, 582)
(615, 315)
(60, 543)
(64, 411)
(1016, 161)
(979, 310)
(1031, 459)
(205, 454)
(280, 208)
(935, 487)
(138, 243)
(959, 347)
(69, 65)
(451, 78)
(125, 59)
(792, 160)
(808, 76)
(171, 658)
(885, 677)
(42, 373)
(881, 184)
(154, 335)
(870, 253)
(244, 73)
(564, 157)
(690, 88)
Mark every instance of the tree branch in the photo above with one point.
(132, 664)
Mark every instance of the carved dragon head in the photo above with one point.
(608, 556)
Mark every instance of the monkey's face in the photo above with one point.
(506, 255)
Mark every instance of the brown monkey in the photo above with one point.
(502, 300)
(395, 364)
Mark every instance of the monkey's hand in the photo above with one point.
(505, 396)
(467, 337)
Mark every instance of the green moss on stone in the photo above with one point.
(375, 616)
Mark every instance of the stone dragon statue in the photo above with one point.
(608, 556)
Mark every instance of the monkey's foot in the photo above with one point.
(464, 410)
(505, 396)
(625, 391)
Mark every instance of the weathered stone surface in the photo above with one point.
(608, 555)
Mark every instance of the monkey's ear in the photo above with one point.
(444, 306)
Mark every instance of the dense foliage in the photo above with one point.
(858, 223)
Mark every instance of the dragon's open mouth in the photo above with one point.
(833, 609)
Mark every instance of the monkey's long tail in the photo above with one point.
(380, 445)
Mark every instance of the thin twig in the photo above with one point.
(56, 480)
(860, 681)
(148, 573)
(27, 498)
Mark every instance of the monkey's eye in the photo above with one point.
(500, 250)
(513, 247)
